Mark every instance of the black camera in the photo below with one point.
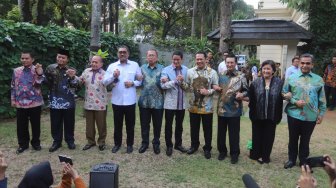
(315, 161)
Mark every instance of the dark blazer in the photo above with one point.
(257, 95)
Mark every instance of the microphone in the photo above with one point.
(249, 182)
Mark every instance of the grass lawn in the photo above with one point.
(179, 170)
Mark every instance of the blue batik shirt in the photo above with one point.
(151, 94)
(310, 88)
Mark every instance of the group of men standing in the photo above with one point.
(163, 90)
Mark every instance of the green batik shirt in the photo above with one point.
(307, 87)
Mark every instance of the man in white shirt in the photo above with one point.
(123, 74)
(294, 68)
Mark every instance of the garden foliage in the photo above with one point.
(44, 42)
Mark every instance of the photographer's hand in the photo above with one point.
(69, 170)
(306, 179)
(330, 167)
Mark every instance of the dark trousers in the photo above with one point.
(119, 113)
(303, 130)
(195, 121)
(146, 114)
(330, 92)
(263, 133)
(62, 118)
(169, 116)
(233, 124)
(23, 116)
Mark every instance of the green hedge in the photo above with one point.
(44, 43)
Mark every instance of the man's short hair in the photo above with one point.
(178, 53)
(124, 46)
(295, 58)
(25, 51)
(307, 55)
(156, 52)
(231, 55)
(202, 52)
(334, 55)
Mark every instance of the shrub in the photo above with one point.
(44, 42)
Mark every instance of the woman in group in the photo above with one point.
(265, 111)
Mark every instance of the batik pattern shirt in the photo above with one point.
(329, 76)
(307, 87)
(95, 90)
(197, 79)
(175, 91)
(26, 88)
(231, 83)
(151, 94)
(62, 88)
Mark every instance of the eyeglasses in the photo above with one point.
(305, 63)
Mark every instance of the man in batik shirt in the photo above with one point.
(62, 82)
(304, 110)
(26, 97)
(329, 79)
(201, 80)
(151, 101)
(172, 82)
(234, 90)
(95, 103)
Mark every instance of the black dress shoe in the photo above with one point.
(169, 151)
(54, 147)
(88, 146)
(21, 149)
(71, 146)
(234, 159)
(289, 164)
(143, 148)
(156, 149)
(102, 147)
(207, 154)
(191, 150)
(115, 149)
(222, 156)
(129, 149)
(180, 148)
(37, 148)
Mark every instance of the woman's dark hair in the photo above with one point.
(269, 62)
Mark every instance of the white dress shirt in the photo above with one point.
(128, 72)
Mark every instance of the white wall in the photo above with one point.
(270, 52)
(270, 4)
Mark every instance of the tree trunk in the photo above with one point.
(193, 18)
(104, 14)
(202, 25)
(95, 25)
(166, 27)
(225, 25)
(40, 12)
(116, 26)
(25, 11)
(111, 20)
